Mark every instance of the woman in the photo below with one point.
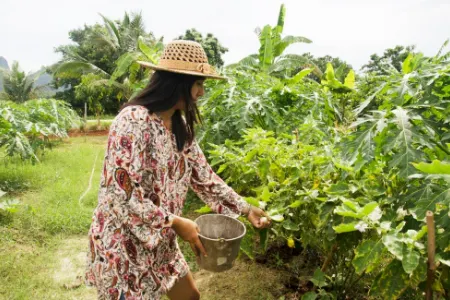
(151, 160)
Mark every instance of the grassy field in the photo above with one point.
(41, 240)
(94, 125)
(103, 117)
(43, 245)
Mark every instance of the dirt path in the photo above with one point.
(247, 280)
(68, 269)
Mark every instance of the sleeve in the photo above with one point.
(211, 188)
(128, 154)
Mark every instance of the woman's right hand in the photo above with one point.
(188, 231)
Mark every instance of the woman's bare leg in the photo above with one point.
(184, 289)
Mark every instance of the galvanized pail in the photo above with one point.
(221, 236)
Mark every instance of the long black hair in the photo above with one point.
(162, 93)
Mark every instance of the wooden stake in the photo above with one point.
(85, 112)
(431, 251)
(296, 134)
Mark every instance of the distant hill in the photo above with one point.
(4, 63)
(43, 79)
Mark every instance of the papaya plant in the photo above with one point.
(341, 98)
(25, 128)
(357, 194)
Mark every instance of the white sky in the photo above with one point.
(349, 29)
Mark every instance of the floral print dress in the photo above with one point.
(133, 249)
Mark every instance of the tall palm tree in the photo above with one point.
(122, 36)
(19, 86)
(129, 43)
(119, 36)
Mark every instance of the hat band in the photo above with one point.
(204, 68)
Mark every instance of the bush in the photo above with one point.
(27, 127)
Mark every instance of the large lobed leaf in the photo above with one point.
(390, 283)
(367, 254)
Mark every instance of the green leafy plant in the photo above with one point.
(8, 206)
(270, 58)
(358, 188)
(320, 281)
(25, 128)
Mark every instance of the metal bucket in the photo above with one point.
(221, 236)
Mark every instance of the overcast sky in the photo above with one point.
(349, 29)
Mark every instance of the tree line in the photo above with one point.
(99, 68)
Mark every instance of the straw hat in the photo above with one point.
(186, 57)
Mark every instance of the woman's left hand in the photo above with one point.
(258, 218)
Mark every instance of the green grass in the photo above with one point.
(93, 125)
(103, 117)
(50, 216)
(52, 270)
(49, 213)
(50, 190)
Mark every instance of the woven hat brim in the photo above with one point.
(200, 74)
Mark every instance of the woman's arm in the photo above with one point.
(211, 188)
(217, 194)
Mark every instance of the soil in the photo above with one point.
(68, 272)
(246, 280)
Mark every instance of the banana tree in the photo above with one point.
(128, 68)
(270, 58)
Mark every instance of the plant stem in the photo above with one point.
(357, 279)
(350, 274)
(329, 258)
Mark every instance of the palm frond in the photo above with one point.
(137, 23)
(113, 32)
(74, 69)
(101, 39)
(442, 48)
(126, 20)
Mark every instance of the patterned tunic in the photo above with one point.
(133, 249)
